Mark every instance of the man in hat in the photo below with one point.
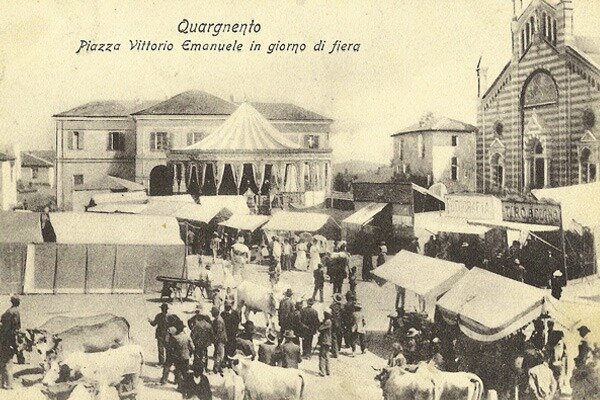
(219, 338)
(183, 348)
(215, 246)
(324, 344)
(232, 320)
(397, 359)
(10, 324)
(556, 284)
(358, 329)
(202, 337)
(244, 342)
(319, 280)
(336, 324)
(161, 322)
(286, 311)
(286, 255)
(348, 318)
(584, 347)
(267, 352)
(289, 351)
(411, 349)
(310, 319)
(297, 326)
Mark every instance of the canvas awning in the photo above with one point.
(245, 222)
(120, 197)
(179, 198)
(436, 222)
(579, 203)
(235, 204)
(97, 228)
(126, 208)
(365, 214)
(20, 227)
(515, 226)
(198, 213)
(488, 307)
(296, 222)
(426, 276)
(111, 183)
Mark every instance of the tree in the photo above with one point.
(339, 183)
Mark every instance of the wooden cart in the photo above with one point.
(174, 288)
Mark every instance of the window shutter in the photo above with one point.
(70, 140)
(108, 146)
(152, 141)
(190, 138)
(170, 141)
(120, 141)
(80, 146)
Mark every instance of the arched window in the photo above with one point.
(540, 89)
(587, 168)
(420, 146)
(497, 164)
(538, 166)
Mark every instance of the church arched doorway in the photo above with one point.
(161, 181)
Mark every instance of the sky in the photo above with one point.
(415, 56)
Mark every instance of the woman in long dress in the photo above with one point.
(315, 256)
(301, 261)
(240, 254)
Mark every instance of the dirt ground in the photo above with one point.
(352, 377)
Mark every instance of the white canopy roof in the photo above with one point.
(365, 214)
(515, 226)
(97, 228)
(435, 222)
(488, 306)
(127, 208)
(235, 204)
(296, 221)
(197, 212)
(579, 203)
(246, 129)
(245, 222)
(426, 276)
(120, 197)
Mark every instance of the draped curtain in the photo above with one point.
(203, 175)
(258, 172)
(240, 168)
(220, 167)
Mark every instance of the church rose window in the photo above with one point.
(540, 90)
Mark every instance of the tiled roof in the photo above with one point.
(37, 158)
(109, 108)
(192, 102)
(5, 157)
(437, 124)
(287, 112)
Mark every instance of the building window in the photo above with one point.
(454, 169)
(540, 90)
(399, 146)
(75, 141)
(34, 172)
(311, 141)
(195, 137)
(420, 146)
(588, 118)
(497, 171)
(77, 180)
(587, 168)
(116, 141)
(537, 172)
(499, 128)
(159, 141)
(454, 140)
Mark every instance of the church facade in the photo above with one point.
(538, 122)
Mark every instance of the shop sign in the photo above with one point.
(531, 213)
(473, 207)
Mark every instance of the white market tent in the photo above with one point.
(426, 277)
(488, 307)
(235, 204)
(245, 222)
(435, 222)
(365, 214)
(287, 221)
(96, 228)
(125, 208)
(120, 197)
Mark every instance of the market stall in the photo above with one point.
(420, 279)
(369, 225)
(286, 223)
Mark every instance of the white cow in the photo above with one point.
(233, 385)
(265, 382)
(453, 385)
(106, 368)
(254, 297)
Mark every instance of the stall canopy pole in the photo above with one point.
(545, 242)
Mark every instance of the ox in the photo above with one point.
(86, 339)
(233, 385)
(265, 382)
(542, 384)
(107, 368)
(258, 298)
(62, 323)
(399, 384)
(453, 385)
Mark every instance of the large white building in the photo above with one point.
(131, 140)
